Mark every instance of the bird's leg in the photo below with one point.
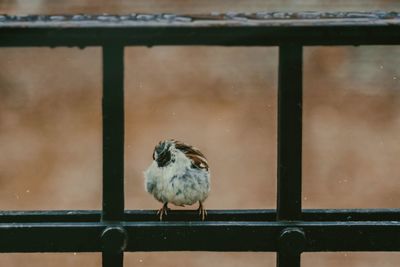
(164, 210)
(202, 211)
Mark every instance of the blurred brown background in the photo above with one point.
(223, 100)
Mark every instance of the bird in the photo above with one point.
(179, 174)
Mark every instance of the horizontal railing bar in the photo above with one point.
(201, 236)
(50, 216)
(231, 29)
(213, 215)
(351, 215)
(223, 36)
(203, 20)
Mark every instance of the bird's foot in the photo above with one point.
(202, 211)
(163, 211)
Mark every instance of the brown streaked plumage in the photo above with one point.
(197, 158)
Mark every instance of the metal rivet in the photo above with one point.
(292, 241)
(114, 239)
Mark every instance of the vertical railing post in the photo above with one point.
(113, 148)
(289, 144)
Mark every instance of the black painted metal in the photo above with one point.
(290, 99)
(288, 230)
(200, 236)
(113, 150)
(113, 132)
(114, 239)
(290, 95)
(113, 259)
(331, 215)
(232, 29)
(287, 260)
(292, 241)
(225, 35)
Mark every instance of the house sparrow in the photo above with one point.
(179, 175)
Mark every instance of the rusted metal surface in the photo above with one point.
(213, 19)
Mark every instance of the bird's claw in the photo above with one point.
(202, 211)
(163, 211)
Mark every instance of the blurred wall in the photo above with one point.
(223, 100)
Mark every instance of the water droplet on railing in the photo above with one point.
(169, 16)
(57, 18)
(145, 17)
(78, 17)
(183, 19)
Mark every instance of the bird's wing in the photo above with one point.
(199, 161)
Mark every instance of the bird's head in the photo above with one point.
(162, 153)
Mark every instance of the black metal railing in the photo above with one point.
(289, 230)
